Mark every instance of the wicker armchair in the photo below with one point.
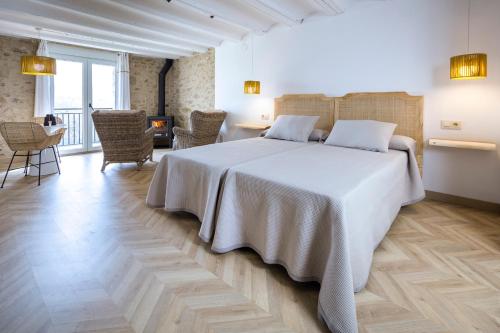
(205, 127)
(26, 136)
(123, 136)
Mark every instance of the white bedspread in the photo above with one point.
(189, 179)
(319, 211)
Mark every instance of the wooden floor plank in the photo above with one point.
(83, 253)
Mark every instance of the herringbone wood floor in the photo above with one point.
(82, 252)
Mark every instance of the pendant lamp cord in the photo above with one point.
(252, 57)
(468, 27)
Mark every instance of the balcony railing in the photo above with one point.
(73, 119)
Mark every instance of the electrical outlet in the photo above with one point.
(264, 116)
(451, 125)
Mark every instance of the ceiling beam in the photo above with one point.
(331, 7)
(83, 32)
(20, 30)
(226, 13)
(97, 11)
(156, 27)
(273, 13)
(44, 11)
(198, 24)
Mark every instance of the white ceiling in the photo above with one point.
(157, 28)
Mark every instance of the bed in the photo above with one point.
(319, 230)
(320, 211)
(189, 180)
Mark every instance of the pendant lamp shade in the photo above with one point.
(252, 87)
(38, 65)
(469, 66)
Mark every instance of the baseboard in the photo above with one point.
(467, 202)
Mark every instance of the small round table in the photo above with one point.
(47, 156)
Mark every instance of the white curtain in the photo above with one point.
(43, 100)
(122, 89)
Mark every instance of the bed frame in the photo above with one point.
(396, 107)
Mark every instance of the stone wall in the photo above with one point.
(191, 86)
(17, 91)
(144, 83)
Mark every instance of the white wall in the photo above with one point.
(399, 45)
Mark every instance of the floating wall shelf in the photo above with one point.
(463, 144)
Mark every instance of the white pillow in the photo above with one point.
(362, 134)
(401, 142)
(316, 135)
(292, 128)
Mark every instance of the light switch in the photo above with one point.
(451, 125)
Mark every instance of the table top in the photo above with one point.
(254, 126)
(53, 128)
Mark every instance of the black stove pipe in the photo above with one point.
(161, 86)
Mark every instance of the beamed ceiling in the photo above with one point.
(158, 28)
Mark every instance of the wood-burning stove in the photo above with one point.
(162, 126)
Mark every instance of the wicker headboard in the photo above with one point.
(396, 107)
(307, 105)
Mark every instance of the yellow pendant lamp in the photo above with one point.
(471, 65)
(251, 87)
(38, 65)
